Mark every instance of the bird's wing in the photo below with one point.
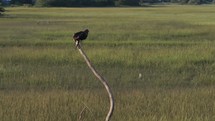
(78, 35)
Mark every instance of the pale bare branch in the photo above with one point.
(102, 80)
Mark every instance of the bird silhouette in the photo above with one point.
(79, 36)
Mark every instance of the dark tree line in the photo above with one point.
(101, 3)
(20, 2)
(105, 3)
(74, 3)
(16, 2)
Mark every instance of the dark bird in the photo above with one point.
(79, 36)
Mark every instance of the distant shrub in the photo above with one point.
(1, 10)
(194, 2)
(103, 2)
(21, 2)
(74, 3)
(127, 3)
(41, 3)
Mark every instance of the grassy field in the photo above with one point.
(43, 77)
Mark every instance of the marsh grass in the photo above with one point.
(179, 104)
(43, 78)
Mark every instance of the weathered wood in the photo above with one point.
(102, 80)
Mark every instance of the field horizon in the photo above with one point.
(43, 77)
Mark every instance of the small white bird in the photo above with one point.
(140, 76)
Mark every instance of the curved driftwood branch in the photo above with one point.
(102, 80)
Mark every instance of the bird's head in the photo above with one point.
(86, 30)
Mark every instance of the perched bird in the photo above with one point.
(79, 36)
